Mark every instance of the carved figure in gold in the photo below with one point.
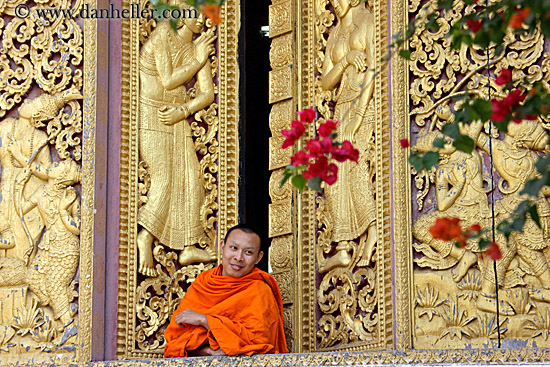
(24, 134)
(460, 194)
(54, 264)
(348, 66)
(514, 159)
(168, 62)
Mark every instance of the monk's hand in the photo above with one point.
(169, 115)
(192, 318)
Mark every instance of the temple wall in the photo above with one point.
(96, 271)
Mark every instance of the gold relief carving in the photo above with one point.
(455, 302)
(278, 157)
(280, 18)
(280, 54)
(350, 251)
(99, 333)
(198, 178)
(280, 253)
(280, 84)
(279, 218)
(288, 315)
(276, 192)
(284, 280)
(282, 113)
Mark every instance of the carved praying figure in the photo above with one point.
(169, 60)
(349, 67)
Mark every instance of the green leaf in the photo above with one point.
(406, 54)
(483, 243)
(451, 130)
(314, 183)
(483, 108)
(534, 185)
(464, 143)
(415, 159)
(430, 159)
(439, 143)
(286, 175)
(299, 182)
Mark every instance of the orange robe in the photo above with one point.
(245, 315)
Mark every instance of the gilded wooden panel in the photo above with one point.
(47, 135)
(448, 295)
(180, 166)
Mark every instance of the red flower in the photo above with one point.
(516, 20)
(404, 143)
(474, 25)
(212, 12)
(503, 107)
(347, 151)
(293, 134)
(327, 128)
(299, 158)
(306, 115)
(317, 169)
(493, 251)
(446, 229)
(504, 78)
(475, 228)
(332, 174)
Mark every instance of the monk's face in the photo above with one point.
(240, 253)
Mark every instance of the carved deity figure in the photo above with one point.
(459, 194)
(349, 66)
(514, 159)
(24, 133)
(54, 264)
(169, 60)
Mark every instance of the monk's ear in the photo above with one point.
(260, 255)
(222, 244)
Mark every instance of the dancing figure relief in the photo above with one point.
(348, 69)
(169, 62)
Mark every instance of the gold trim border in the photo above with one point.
(401, 185)
(86, 268)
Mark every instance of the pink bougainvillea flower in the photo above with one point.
(327, 128)
(306, 115)
(404, 143)
(501, 108)
(293, 134)
(474, 25)
(345, 152)
(212, 11)
(299, 158)
(517, 19)
(504, 77)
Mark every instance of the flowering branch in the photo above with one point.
(314, 164)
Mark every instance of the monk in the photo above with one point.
(232, 309)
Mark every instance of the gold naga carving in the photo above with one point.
(176, 169)
(454, 289)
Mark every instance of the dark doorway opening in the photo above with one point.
(254, 129)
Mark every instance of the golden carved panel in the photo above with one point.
(279, 215)
(284, 280)
(454, 289)
(278, 158)
(281, 52)
(280, 18)
(280, 84)
(179, 187)
(47, 201)
(281, 115)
